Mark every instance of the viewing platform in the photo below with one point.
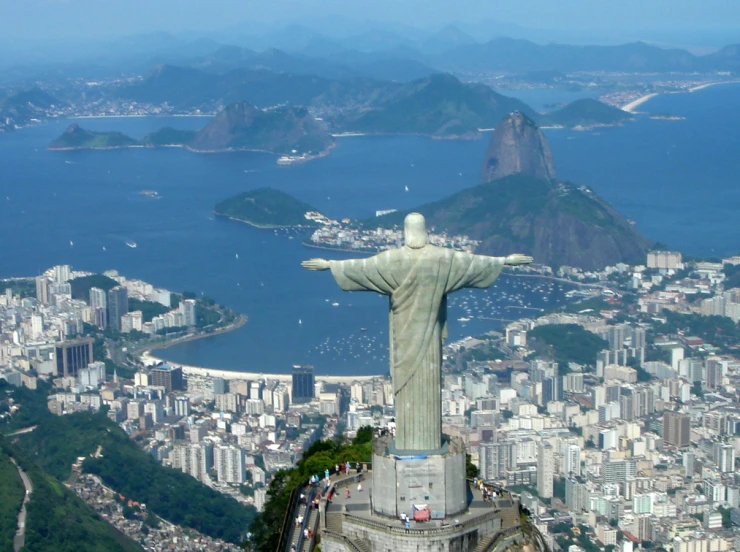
(349, 523)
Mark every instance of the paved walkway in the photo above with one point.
(20, 535)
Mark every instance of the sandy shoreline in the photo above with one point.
(630, 107)
(149, 359)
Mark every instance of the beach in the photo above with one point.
(630, 107)
(148, 359)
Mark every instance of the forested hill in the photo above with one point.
(57, 520)
(170, 494)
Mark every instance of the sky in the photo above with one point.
(112, 18)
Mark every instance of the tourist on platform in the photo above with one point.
(359, 487)
(346, 492)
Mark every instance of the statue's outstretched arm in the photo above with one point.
(517, 259)
(316, 264)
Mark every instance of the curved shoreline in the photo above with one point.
(631, 106)
(146, 357)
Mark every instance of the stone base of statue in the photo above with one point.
(405, 481)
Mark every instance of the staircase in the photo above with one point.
(313, 518)
(296, 535)
(334, 522)
(509, 518)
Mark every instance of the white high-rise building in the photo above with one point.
(229, 463)
(545, 465)
(93, 375)
(260, 497)
(197, 459)
(572, 460)
(37, 326)
(43, 291)
(187, 308)
(61, 274)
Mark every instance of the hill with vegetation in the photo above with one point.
(557, 223)
(585, 113)
(81, 286)
(11, 498)
(169, 136)
(285, 130)
(266, 207)
(568, 343)
(320, 456)
(170, 494)
(76, 137)
(520, 207)
(439, 105)
(57, 520)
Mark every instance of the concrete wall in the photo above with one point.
(437, 480)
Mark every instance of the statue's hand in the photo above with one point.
(518, 259)
(316, 264)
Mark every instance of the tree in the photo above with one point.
(364, 435)
(471, 470)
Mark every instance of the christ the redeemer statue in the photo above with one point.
(417, 279)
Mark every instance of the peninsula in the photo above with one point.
(268, 208)
(288, 131)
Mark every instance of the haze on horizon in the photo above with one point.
(707, 22)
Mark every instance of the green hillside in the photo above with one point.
(266, 207)
(557, 223)
(586, 112)
(169, 136)
(58, 521)
(11, 497)
(439, 105)
(123, 466)
(76, 137)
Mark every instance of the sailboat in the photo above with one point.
(300, 321)
(237, 255)
(406, 188)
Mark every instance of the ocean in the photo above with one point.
(676, 179)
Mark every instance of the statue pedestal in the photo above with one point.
(403, 479)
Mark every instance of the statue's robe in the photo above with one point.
(417, 282)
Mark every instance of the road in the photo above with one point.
(20, 535)
(22, 431)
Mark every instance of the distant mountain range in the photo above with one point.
(439, 105)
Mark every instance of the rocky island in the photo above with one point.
(521, 206)
(584, 114)
(76, 137)
(267, 208)
(289, 131)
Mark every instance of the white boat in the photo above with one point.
(131, 244)
(406, 188)
(71, 243)
(237, 255)
(300, 321)
(335, 304)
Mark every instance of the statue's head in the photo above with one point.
(415, 231)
